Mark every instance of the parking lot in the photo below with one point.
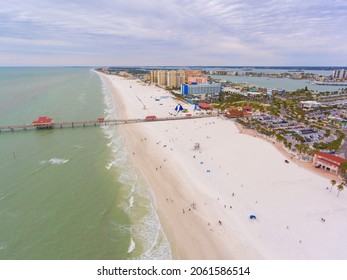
(308, 134)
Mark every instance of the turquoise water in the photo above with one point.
(69, 193)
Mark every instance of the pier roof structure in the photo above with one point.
(43, 121)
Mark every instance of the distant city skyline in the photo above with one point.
(173, 32)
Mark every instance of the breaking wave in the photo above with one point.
(58, 161)
(148, 240)
(131, 246)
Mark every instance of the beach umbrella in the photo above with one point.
(178, 108)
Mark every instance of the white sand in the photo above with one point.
(230, 170)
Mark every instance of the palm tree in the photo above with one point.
(333, 183)
(339, 189)
(343, 169)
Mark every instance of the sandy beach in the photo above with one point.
(204, 197)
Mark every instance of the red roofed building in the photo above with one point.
(247, 108)
(328, 162)
(204, 106)
(43, 122)
(234, 114)
(237, 112)
(232, 108)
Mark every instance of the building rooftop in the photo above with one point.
(43, 120)
(331, 157)
(204, 105)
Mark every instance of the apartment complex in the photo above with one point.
(340, 74)
(168, 78)
(174, 78)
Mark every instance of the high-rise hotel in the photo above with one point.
(190, 81)
(340, 74)
(165, 78)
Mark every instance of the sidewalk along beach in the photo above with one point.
(233, 197)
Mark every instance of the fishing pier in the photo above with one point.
(47, 123)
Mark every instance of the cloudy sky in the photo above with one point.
(173, 32)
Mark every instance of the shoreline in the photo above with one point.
(203, 197)
(165, 202)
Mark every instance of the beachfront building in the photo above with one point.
(237, 112)
(162, 78)
(309, 105)
(340, 74)
(181, 77)
(172, 79)
(175, 78)
(197, 80)
(204, 106)
(194, 73)
(234, 112)
(199, 89)
(168, 78)
(154, 76)
(328, 162)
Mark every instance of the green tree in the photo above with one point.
(343, 169)
(339, 189)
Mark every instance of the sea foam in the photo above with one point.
(145, 227)
(131, 246)
(58, 161)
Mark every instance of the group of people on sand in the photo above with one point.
(193, 205)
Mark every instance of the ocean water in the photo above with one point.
(69, 193)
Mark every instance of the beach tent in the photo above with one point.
(178, 108)
(252, 217)
(196, 106)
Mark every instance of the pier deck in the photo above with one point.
(76, 124)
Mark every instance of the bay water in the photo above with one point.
(279, 83)
(69, 193)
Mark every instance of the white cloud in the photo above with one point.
(179, 32)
